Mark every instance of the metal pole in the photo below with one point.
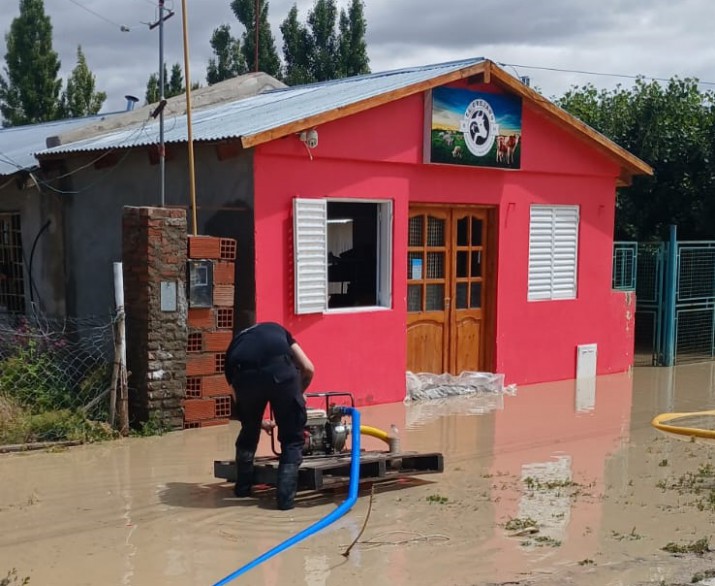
(190, 140)
(123, 390)
(162, 82)
(258, 20)
(671, 284)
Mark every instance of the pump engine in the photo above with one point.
(325, 432)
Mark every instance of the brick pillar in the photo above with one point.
(154, 258)
(208, 395)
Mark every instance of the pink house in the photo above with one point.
(439, 218)
(474, 265)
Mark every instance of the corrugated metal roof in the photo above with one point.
(266, 111)
(19, 143)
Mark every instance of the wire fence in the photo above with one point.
(695, 302)
(55, 378)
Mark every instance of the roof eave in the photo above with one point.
(629, 163)
(252, 140)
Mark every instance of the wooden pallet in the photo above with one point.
(320, 472)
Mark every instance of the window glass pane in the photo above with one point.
(462, 232)
(435, 231)
(417, 224)
(476, 263)
(435, 297)
(476, 232)
(462, 256)
(475, 300)
(415, 269)
(414, 297)
(462, 295)
(435, 265)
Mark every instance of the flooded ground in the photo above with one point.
(559, 484)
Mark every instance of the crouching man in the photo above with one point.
(265, 365)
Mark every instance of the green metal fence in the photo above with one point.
(675, 298)
(649, 303)
(625, 265)
(694, 302)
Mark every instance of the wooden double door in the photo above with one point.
(449, 291)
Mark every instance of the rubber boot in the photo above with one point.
(244, 473)
(286, 485)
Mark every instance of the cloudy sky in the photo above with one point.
(655, 38)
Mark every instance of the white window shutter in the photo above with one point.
(310, 253)
(553, 252)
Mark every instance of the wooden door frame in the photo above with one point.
(490, 267)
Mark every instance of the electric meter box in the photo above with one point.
(200, 283)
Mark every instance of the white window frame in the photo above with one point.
(553, 252)
(310, 258)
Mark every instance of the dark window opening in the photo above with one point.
(352, 254)
(12, 283)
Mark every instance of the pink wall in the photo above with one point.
(378, 154)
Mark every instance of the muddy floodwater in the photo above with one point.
(561, 483)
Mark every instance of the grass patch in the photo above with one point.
(519, 524)
(632, 536)
(545, 541)
(536, 484)
(12, 579)
(699, 547)
(437, 499)
(700, 484)
(21, 426)
(700, 576)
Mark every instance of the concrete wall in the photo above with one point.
(224, 191)
(48, 271)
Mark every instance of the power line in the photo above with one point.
(121, 27)
(596, 73)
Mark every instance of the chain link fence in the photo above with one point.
(55, 378)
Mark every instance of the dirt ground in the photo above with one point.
(560, 484)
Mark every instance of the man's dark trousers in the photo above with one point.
(281, 387)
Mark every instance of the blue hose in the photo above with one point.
(344, 507)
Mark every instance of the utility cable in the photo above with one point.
(121, 27)
(595, 73)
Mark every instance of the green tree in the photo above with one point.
(176, 82)
(228, 61)
(321, 20)
(672, 127)
(30, 88)
(152, 94)
(316, 52)
(80, 99)
(297, 49)
(352, 49)
(173, 84)
(268, 60)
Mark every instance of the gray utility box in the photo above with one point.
(200, 283)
